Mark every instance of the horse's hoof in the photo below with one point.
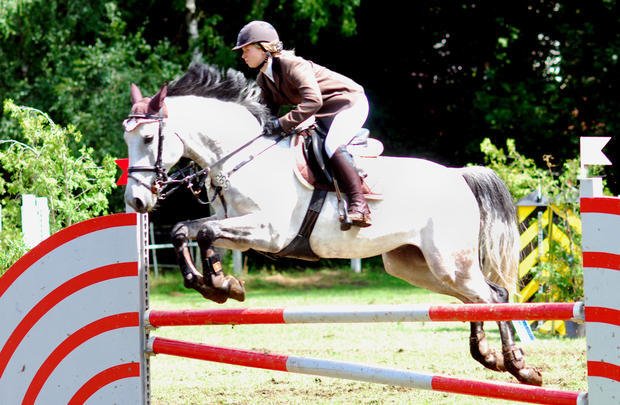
(207, 291)
(515, 365)
(527, 375)
(480, 351)
(236, 288)
(212, 294)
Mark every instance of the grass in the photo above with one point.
(438, 348)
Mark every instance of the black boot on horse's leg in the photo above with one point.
(191, 276)
(212, 268)
(480, 351)
(350, 182)
(512, 356)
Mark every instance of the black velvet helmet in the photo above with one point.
(256, 32)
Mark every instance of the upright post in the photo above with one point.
(600, 217)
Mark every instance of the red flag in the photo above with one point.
(124, 165)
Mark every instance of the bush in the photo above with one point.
(42, 164)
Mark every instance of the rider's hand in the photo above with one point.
(273, 127)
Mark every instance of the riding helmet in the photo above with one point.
(256, 31)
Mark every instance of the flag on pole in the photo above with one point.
(123, 164)
(591, 150)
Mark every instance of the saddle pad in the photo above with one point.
(370, 184)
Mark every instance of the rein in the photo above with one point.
(192, 178)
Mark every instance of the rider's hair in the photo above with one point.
(273, 47)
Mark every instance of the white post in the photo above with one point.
(153, 251)
(600, 218)
(237, 262)
(35, 220)
(356, 265)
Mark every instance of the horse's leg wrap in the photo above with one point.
(514, 360)
(212, 268)
(191, 276)
(480, 351)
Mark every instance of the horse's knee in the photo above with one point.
(205, 236)
(179, 232)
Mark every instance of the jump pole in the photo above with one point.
(362, 372)
(367, 313)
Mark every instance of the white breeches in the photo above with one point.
(346, 124)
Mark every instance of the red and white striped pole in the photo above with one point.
(360, 372)
(601, 270)
(367, 313)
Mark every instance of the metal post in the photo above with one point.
(153, 251)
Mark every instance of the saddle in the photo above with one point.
(312, 170)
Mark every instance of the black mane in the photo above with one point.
(230, 85)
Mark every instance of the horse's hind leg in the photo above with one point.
(457, 273)
(511, 358)
(408, 262)
(478, 344)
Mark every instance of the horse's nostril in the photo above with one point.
(138, 204)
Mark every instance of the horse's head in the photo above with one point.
(153, 149)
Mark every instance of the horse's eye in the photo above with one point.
(148, 139)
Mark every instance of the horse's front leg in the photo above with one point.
(213, 285)
(243, 232)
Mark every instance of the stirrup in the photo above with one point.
(364, 222)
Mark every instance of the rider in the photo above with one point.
(338, 103)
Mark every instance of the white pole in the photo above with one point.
(153, 251)
(356, 265)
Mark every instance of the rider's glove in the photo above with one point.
(273, 127)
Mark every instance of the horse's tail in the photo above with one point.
(499, 243)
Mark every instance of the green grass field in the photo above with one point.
(438, 348)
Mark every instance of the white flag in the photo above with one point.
(591, 150)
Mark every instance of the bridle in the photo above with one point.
(194, 179)
(161, 176)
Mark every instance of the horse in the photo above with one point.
(450, 230)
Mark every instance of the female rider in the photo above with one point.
(337, 102)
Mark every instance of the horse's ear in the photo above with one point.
(136, 94)
(157, 103)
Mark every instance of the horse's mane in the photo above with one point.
(230, 85)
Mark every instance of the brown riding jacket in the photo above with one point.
(311, 88)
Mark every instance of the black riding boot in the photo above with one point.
(350, 183)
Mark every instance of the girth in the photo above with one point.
(299, 248)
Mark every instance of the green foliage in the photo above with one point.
(560, 272)
(317, 14)
(44, 165)
(522, 175)
(78, 66)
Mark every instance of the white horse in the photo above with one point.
(450, 230)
